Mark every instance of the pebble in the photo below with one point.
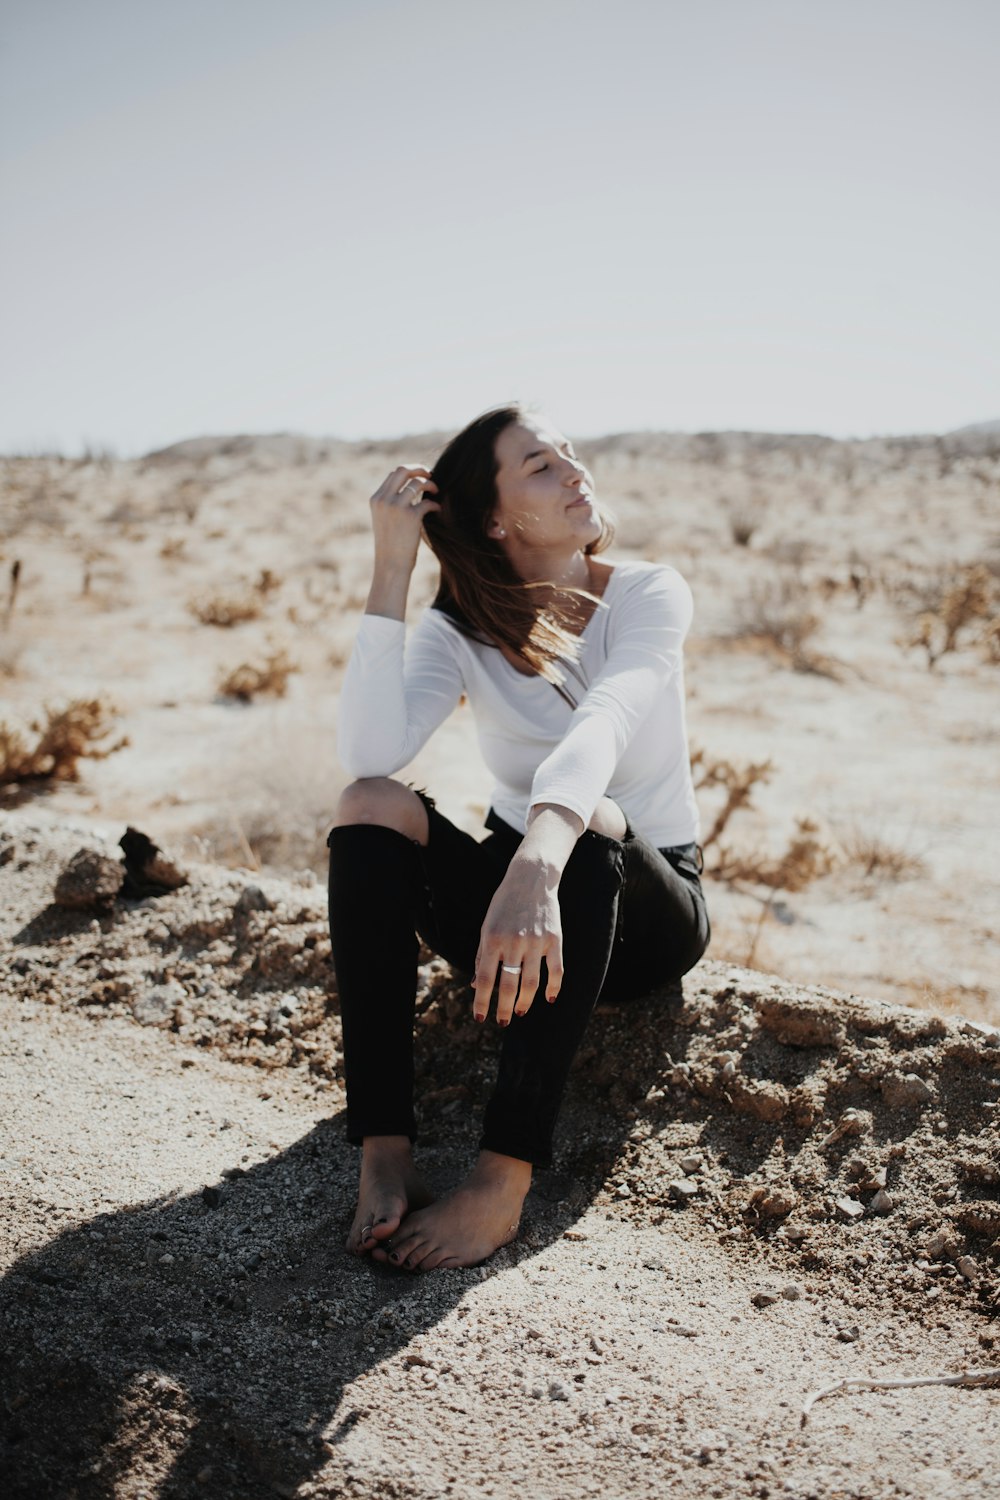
(693, 1163)
(792, 1292)
(683, 1190)
(849, 1209)
(156, 1007)
(967, 1267)
(941, 1243)
(765, 1297)
(252, 898)
(558, 1390)
(882, 1203)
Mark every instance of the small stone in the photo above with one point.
(851, 1122)
(166, 1260)
(882, 1203)
(558, 1390)
(211, 1197)
(792, 1292)
(967, 1267)
(157, 1006)
(765, 1297)
(849, 1209)
(251, 899)
(773, 1202)
(89, 879)
(873, 1181)
(907, 1089)
(849, 1335)
(692, 1163)
(683, 1190)
(623, 1191)
(796, 1232)
(943, 1243)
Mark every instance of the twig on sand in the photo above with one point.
(871, 1382)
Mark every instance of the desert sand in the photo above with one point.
(767, 1184)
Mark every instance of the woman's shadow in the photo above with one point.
(206, 1341)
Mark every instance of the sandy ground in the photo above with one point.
(180, 1317)
(765, 1185)
(797, 657)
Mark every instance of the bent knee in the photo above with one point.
(608, 819)
(379, 799)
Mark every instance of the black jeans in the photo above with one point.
(633, 917)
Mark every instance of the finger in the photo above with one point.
(484, 980)
(507, 993)
(530, 980)
(554, 965)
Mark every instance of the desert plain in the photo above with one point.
(712, 1246)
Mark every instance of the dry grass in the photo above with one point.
(247, 681)
(227, 610)
(777, 612)
(63, 738)
(737, 782)
(807, 858)
(956, 604)
(876, 857)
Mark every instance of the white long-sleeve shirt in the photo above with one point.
(626, 738)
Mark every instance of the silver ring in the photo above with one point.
(511, 968)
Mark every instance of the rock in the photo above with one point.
(558, 1390)
(765, 1297)
(941, 1245)
(849, 1209)
(873, 1182)
(967, 1267)
(882, 1203)
(683, 1190)
(211, 1197)
(849, 1335)
(251, 899)
(148, 870)
(851, 1122)
(157, 1006)
(905, 1090)
(89, 879)
(792, 1292)
(773, 1202)
(692, 1163)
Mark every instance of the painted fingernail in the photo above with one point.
(502, 1023)
(480, 1018)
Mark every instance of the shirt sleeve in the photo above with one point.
(646, 640)
(394, 695)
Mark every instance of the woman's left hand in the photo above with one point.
(523, 925)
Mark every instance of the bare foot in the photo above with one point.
(469, 1223)
(390, 1187)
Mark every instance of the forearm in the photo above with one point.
(388, 593)
(552, 832)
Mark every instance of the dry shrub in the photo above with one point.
(872, 855)
(953, 604)
(271, 677)
(806, 859)
(63, 738)
(807, 856)
(743, 522)
(236, 607)
(776, 610)
(738, 783)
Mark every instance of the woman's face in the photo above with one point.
(545, 495)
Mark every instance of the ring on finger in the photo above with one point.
(511, 968)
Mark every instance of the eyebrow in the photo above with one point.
(540, 452)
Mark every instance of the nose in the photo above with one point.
(576, 471)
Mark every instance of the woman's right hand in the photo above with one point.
(398, 509)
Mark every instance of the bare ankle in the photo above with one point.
(508, 1171)
(387, 1148)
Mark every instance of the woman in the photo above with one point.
(587, 882)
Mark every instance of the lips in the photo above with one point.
(583, 499)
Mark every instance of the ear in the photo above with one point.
(495, 530)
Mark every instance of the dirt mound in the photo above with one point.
(748, 1170)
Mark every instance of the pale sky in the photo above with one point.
(366, 217)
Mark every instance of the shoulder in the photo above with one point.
(638, 585)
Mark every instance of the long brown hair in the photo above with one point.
(479, 589)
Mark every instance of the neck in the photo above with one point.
(571, 572)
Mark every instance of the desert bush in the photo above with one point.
(806, 859)
(874, 855)
(956, 604)
(738, 783)
(63, 738)
(270, 677)
(743, 522)
(776, 610)
(239, 605)
(226, 610)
